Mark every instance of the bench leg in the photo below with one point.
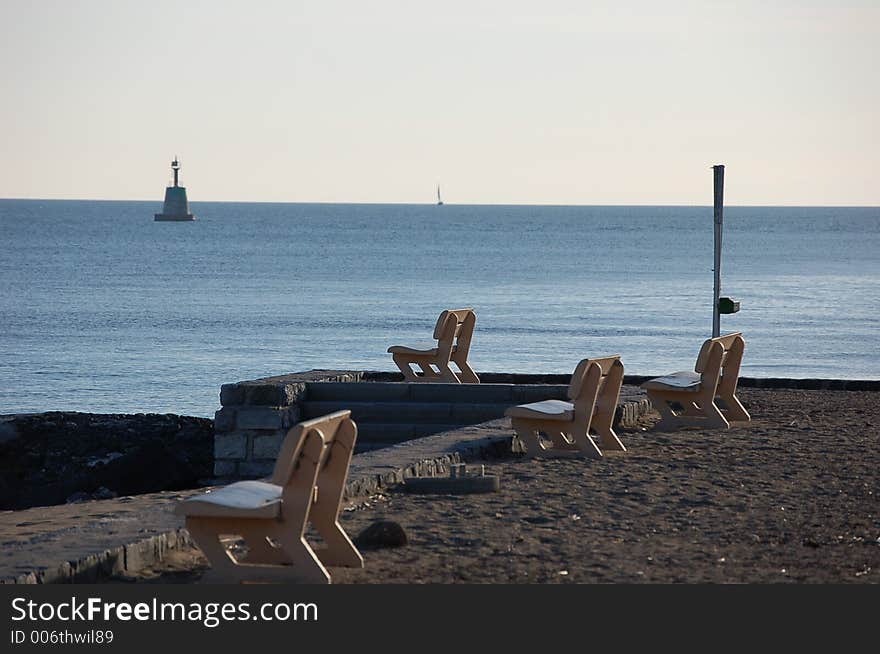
(528, 432)
(697, 411)
(298, 562)
(447, 375)
(303, 558)
(207, 538)
(692, 409)
(340, 550)
(602, 425)
(528, 436)
(714, 417)
(561, 439)
(587, 446)
(669, 420)
(467, 376)
(260, 550)
(734, 409)
(403, 365)
(442, 374)
(324, 514)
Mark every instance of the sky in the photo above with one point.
(501, 102)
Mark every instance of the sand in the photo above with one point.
(790, 497)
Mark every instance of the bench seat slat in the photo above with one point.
(403, 349)
(243, 499)
(544, 410)
(683, 380)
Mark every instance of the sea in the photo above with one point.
(104, 310)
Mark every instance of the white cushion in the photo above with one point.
(545, 410)
(403, 349)
(243, 499)
(684, 380)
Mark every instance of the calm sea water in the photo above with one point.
(102, 309)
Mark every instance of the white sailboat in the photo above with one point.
(439, 199)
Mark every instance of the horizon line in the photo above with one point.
(460, 204)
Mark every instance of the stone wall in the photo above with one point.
(254, 418)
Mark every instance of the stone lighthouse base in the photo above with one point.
(176, 206)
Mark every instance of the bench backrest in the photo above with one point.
(594, 378)
(326, 426)
(455, 329)
(719, 361)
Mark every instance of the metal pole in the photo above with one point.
(719, 224)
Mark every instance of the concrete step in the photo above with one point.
(408, 412)
(510, 394)
(390, 433)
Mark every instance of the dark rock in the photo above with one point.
(103, 493)
(384, 533)
(53, 457)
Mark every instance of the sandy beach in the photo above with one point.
(790, 497)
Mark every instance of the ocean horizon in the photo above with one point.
(105, 310)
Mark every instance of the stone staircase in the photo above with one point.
(388, 413)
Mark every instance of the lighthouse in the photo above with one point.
(176, 206)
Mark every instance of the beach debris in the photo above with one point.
(381, 534)
(460, 481)
(367, 502)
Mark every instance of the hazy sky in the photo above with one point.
(544, 102)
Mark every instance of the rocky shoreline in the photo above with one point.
(58, 457)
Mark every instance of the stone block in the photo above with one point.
(274, 394)
(291, 416)
(291, 393)
(225, 468)
(231, 394)
(261, 418)
(224, 420)
(267, 446)
(256, 469)
(232, 445)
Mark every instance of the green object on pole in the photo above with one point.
(727, 305)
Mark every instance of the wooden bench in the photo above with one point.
(454, 331)
(559, 428)
(306, 487)
(692, 397)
